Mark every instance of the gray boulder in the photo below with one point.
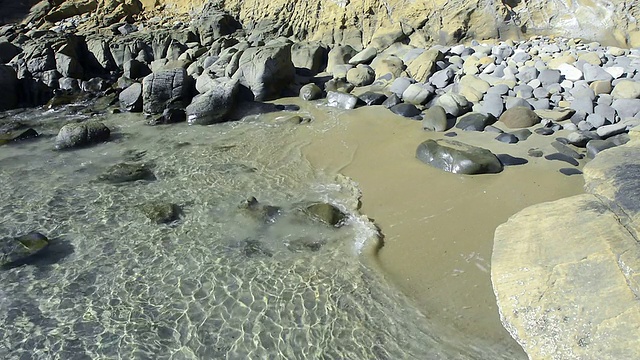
(266, 70)
(458, 158)
(131, 98)
(127, 172)
(163, 88)
(81, 134)
(341, 100)
(309, 57)
(361, 75)
(213, 106)
(475, 121)
(434, 119)
(339, 55)
(310, 92)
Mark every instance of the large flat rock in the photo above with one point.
(565, 273)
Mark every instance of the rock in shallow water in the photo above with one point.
(81, 134)
(459, 158)
(160, 212)
(18, 249)
(127, 172)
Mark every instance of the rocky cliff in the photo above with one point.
(357, 22)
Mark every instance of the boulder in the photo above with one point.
(310, 57)
(131, 98)
(372, 98)
(339, 55)
(577, 298)
(341, 100)
(310, 92)
(626, 89)
(458, 158)
(213, 106)
(434, 119)
(266, 70)
(475, 121)
(261, 212)
(164, 88)
(406, 110)
(81, 134)
(418, 93)
(519, 117)
(424, 65)
(361, 75)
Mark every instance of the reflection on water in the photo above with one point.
(215, 284)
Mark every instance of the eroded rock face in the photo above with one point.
(565, 273)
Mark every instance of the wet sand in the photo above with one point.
(438, 226)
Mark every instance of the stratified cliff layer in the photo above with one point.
(355, 22)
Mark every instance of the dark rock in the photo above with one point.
(507, 138)
(522, 134)
(169, 116)
(372, 98)
(508, 160)
(544, 131)
(8, 51)
(341, 100)
(8, 88)
(19, 249)
(160, 212)
(570, 171)
(310, 92)
(457, 157)
(596, 146)
(81, 134)
(392, 101)
(134, 69)
(127, 172)
(406, 110)
(67, 83)
(164, 88)
(213, 106)
(581, 138)
(475, 121)
(68, 65)
(266, 70)
(562, 157)
(451, 134)
(326, 213)
(260, 212)
(131, 98)
(564, 149)
(519, 117)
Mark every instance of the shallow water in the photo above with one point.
(216, 283)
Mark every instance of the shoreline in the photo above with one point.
(457, 289)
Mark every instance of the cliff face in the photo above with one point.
(349, 21)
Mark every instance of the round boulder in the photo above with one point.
(83, 134)
(519, 117)
(361, 75)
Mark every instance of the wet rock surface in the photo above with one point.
(458, 158)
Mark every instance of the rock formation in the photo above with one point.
(565, 273)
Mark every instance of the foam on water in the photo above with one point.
(217, 283)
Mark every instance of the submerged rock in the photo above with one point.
(305, 244)
(18, 136)
(127, 172)
(326, 213)
(160, 212)
(260, 212)
(17, 250)
(458, 158)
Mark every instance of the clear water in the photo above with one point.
(217, 283)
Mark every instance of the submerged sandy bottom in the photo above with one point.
(438, 226)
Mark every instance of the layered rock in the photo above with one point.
(565, 273)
